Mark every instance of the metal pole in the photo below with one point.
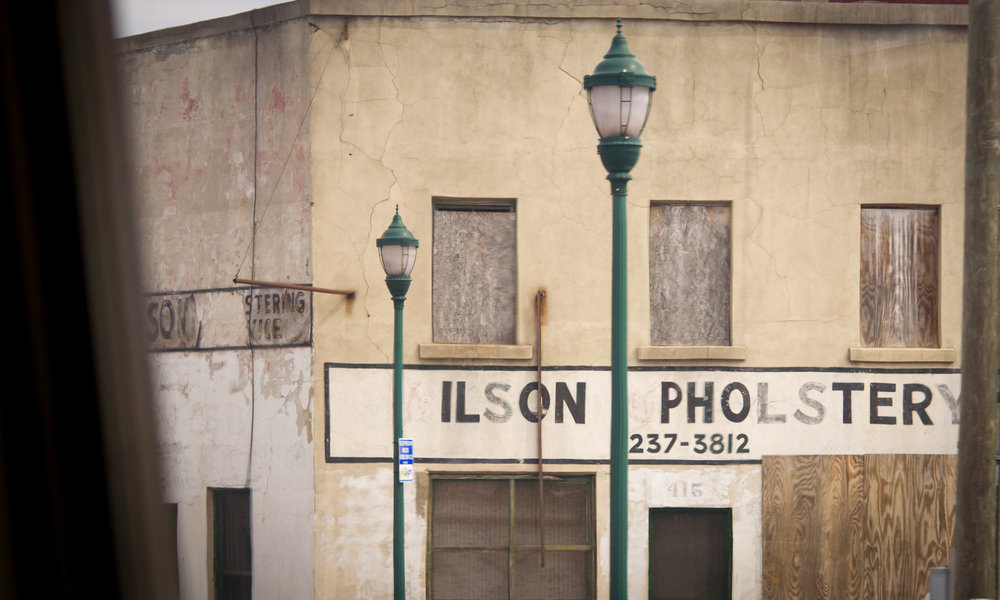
(398, 562)
(293, 286)
(619, 390)
(976, 477)
(539, 298)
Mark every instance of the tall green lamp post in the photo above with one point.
(619, 92)
(397, 248)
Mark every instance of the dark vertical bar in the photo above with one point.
(976, 510)
(398, 557)
(619, 392)
(539, 298)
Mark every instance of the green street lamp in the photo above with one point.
(619, 92)
(397, 248)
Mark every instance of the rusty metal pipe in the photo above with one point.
(292, 286)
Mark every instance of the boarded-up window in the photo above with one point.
(690, 553)
(233, 576)
(899, 277)
(689, 274)
(474, 272)
(484, 541)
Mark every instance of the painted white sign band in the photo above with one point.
(489, 414)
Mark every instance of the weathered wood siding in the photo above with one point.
(689, 274)
(866, 527)
(899, 277)
(475, 275)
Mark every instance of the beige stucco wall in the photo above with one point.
(797, 125)
(218, 128)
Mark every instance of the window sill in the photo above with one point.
(467, 351)
(903, 355)
(692, 352)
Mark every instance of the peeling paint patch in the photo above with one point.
(190, 104)
(277, 100)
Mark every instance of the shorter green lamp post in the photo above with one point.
(397, 248)
(619, 92)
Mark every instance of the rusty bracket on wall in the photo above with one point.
(539, 311)
(292, 286)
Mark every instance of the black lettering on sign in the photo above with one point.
(497, 401)
(910, 407)
(153, 328)
(875, 401)
(577, 407)
(167, 322)
(812, 403)
(523, 402)
(848, 389)
(445, 401)
(460, 415)
(670, 397)
(953, 402)
(727, 410)
(762, 414)
(172, 322)
(702, 402)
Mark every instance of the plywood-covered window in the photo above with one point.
(690, 553)
(689, 274)
(484, 539)
(899, 277)
(474, 272)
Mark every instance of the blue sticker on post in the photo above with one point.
(406, 472)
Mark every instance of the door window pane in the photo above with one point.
(690, 553)
(232, 544)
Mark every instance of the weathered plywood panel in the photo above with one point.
(909, 521)
(899, 277)
(475, 276)
(855, 526)
(689, 274)
(811, 519)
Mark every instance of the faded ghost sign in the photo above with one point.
(172, 321)
(277, 316)
(236, 318)
(690, 415)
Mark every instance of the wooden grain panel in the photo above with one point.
(899, 277)
(474, 277)
(843, 502)
(857, 494)
(855, 526)
(911, 514)
(775, 489)
(689, 274)
(811, 508)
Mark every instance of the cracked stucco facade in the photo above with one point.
(795, 124)
(795, 113)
